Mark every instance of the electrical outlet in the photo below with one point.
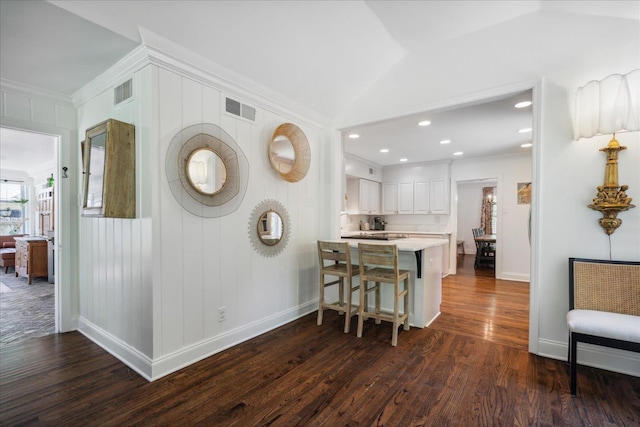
(222, 314)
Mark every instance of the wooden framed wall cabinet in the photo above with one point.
(109, 184)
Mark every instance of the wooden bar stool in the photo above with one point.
(338, 256)
(379, 264)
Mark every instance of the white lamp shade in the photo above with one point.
(608, 106)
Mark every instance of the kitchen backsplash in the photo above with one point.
(432, 223)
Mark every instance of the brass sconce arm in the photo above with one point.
(611, 198)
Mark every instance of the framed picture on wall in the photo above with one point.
(524, 193)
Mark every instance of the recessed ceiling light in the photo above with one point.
(403, 159)
(445, 141)
(525, 130)
(458, 153)
(522, 104)
(527, 145)
(384, 150)
(354, 136)
(424, 123)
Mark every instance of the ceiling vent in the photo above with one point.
(239, 109)
(123, 92)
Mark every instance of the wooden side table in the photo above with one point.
(31, 257)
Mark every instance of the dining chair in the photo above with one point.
(379, 264)
(485, 251)
(334, 259)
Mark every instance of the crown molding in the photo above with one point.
(171, 56)
(35, 92)
(122, 70)
(156, 50)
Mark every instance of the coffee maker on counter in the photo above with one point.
(378, 223)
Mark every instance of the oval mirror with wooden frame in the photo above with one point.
(289, 152)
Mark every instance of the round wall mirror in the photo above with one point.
(270, 228)
(206, 171)
(289, 152)
(282, 155)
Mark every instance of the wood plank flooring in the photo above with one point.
(471, 367)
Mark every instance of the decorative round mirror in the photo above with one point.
(206, 171)
(269, 228)
(289, 152)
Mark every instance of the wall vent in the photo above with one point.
(372, 171)
(123, 92)
(239, 109)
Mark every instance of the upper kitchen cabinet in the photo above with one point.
(398, 198)
(363, 196)
(427, 196)
(439, 196)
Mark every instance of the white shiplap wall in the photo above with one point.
(152, 286)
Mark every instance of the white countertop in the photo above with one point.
(422, 233)
(408, 244)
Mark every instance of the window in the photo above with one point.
(13, 201)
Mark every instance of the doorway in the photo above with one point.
(29, 289)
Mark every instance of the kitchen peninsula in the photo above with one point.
(423, 257)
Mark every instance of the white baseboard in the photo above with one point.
(119, 349)
(610, 359)
(154, 369)
(516, 277)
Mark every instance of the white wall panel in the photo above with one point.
(43, 112)
(171, 242)
(176, 269)
(113, 267)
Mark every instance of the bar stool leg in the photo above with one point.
(378, 321)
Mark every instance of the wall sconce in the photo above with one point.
(603, 107)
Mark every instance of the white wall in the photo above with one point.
(512, 245)
(152, 286)
(34, 110)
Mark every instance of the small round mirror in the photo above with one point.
(206, 171)
(270, 228)
(282, 154)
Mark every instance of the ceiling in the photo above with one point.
(323, 56)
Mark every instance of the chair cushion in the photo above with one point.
(604, 324)
(7, 253)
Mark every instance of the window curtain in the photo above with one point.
(486, 214)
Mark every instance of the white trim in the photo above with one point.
(514, 277)
(610, 359)
(36, 92)
(154, 369)
(119, 349)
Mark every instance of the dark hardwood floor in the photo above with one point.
(470, 367)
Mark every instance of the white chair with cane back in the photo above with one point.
(604, 306)
(334, 259)
(379, 264)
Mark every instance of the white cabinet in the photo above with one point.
(405, 197)
(427, 196)
(439, 196)
(363, 196)
(397, 198)
(389, 195)
(421, 197)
